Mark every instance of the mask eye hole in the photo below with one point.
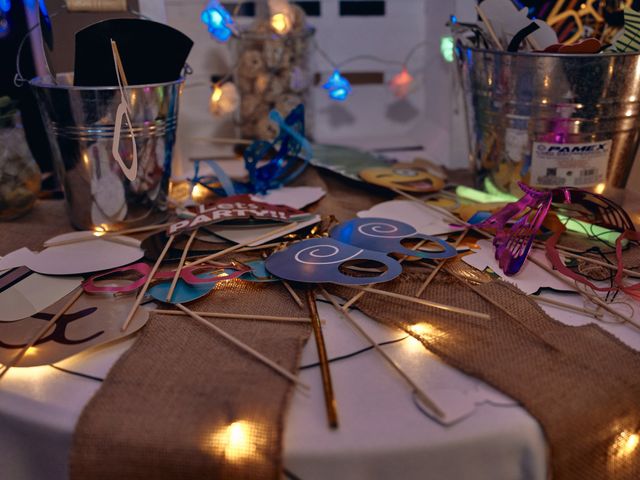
(362, 268)
(429, 246)
(406, 172)
(118, 279)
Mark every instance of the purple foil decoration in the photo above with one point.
(513, 244)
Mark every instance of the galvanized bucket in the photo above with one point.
(81, 122)
(552, 119)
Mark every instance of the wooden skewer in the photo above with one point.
(327, 385)
(233, 248)
(41, 332)
(421, 301)
(419, 392)
(293, 294)
(489, 26)
(233, 316)
(449, 216)
(183, 257)
(359, 295)
(592, 298)
(105, 235)
(595, 261)
(243, 346)
(567, 306)
(441, 264)
(145, 287)
(116, 55)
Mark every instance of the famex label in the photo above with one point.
(569, 164)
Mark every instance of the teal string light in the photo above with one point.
(217, 20)
(337, 86)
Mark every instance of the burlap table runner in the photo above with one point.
(184, 403)
(580, 383)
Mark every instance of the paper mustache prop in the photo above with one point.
(91, 321)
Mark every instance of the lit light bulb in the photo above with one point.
(337, 86)
(217, 20)
(5, 5)
(281, 16)
(401, 83)
(447, 48)
(224, 99)
(280, 23)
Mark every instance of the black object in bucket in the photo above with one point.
(151, 52)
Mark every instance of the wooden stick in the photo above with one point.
(105, 235)
(595, 261)
(359, 295)
(116, 54)
(15, 360)
(293, 294)
(420, 301)
(451, 217)
(327, 386)
(183, 257)
(243, 346)
(233, 248)
(241, 316)
(418, 391)
(145, 287)
(567, 306)
(489, 26)
(593, 298)
(441, 264)
(487, 298)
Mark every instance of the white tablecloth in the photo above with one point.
(382, 433)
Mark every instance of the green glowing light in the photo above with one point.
(577, 226)
(447, 46)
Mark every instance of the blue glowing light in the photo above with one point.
(5, 5)
(217, 20)
(338, 87)
(454, 19)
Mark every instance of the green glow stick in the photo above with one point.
(578, 226)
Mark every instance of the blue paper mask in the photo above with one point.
(318, 260)
(385, 235)
(258, 273)
(288, 146)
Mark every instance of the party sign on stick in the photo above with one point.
(237, 209)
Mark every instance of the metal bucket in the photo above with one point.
(80, 123)
(552, 119)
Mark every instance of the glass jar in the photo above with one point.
(19, 172)
(272, 71)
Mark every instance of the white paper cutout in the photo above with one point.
(420, 217)
(506, 20)
(75, 258)
(529, 279)
(33, 294)
(244, 234)
(294, 197)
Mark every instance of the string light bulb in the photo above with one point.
(218, 21)
(224, 99)
(337, 86)
(281, 16)
(401, 83)
(447, 48)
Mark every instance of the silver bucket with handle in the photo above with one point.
(105, 191)
(552, 119)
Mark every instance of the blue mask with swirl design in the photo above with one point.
(318, 260)
(385, 235)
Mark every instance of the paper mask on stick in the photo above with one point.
(139, 272)
(318, 260)
(183, 293)
(91, 321)
(385, 235)
(31, 293)
(407, 177)
(239, 208)
(73, 259)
